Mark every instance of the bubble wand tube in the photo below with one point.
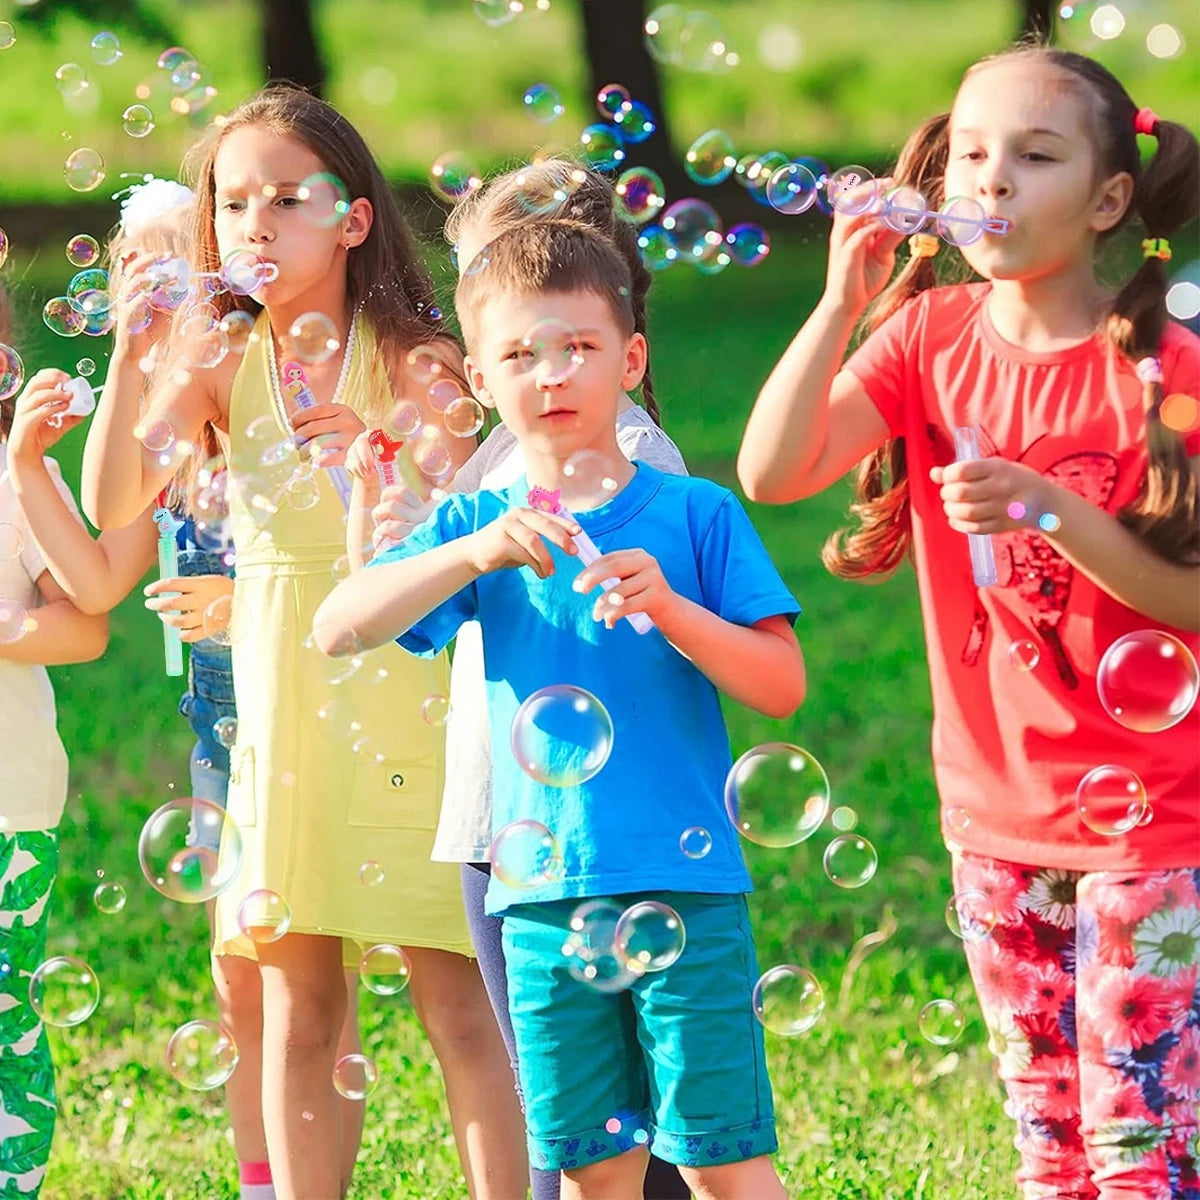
(385, 463)
(295, 383)
(168, 568)
(983, 561)
(588, 553)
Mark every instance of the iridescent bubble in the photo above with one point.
(243, 272)
(109, 898)
(843, 818)
(71, 80)
(941, 1022)
(852, 190)
(12, 371)
(664, 31)
(589, 480)
(12, 542)
(82, 251)
(904, 210)
(590, 947)
(405, 419)
(611, 99)
(551, 351)
(64, 991)
(603, 146)
(313, 337)
(4, 245)
(175, 852)
(202, 342)
(788, 1000)
(183, 76)
(710, 158)
(1148, 680)
(355, 1076)
(777, 794)
(649, 936)
(264, 916)
(496, 12)
(169, 280)
(156, 436)
(656, 248)
(820, 172)
(202, 1055)
(748, 244)
(463, 417)
(371, 874)
(169, 59)
(86, 367)
(959, 221)
(542, 188)
(14, 621)
(695, 841)
(703, 45)
(431, 456)
(635, 121)
(792, 189)
(325, 199)
(713, 258)
(8, 35)
(1111, 800)
(850, 861)
(1023, 655)
(435, 709)
(970, 915)
(692, 226)
(958, 820)
(525, 854)
(640, 195)
(453, 175)
(424, 364)
(93, 279)
(237, 326)
(84, 169)
(543, 103)
(384, 970)
(106, 48)
(755, 173)
(137, 121)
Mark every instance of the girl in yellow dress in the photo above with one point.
(335, 776)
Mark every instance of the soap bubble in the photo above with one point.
(12, 371)
(453, 175)
(86, 367)
(589, 480)
(202, 343)
(941, 1022)
(84, 169)
(1023, 655)
(903, 210)
(137, 121)
(4, 244)
(693, 225)
(8, 35)
(264, 916)
(543, 103)
(552, 351)
(176, 855)
(655, 248)
(71, 80)
(325, 199)
(424, 364)
(792, 189)
(82, 251)
(649, 936)
(14, 621)
(852, 190)
(710, 158)
(748, 244)
(1111, 800)
(355, 1076)
(313, 337)
(497, 12)
(464, 417)
(225, 731)
(788, 1000)
(603, 146)
(590, 947)
(611, 99)
(435, 709)
(202, 1055)
(561, 735)
(106, 48)
(1148, 680)
(843, 819)
(174, 57)
(384, 969)
(109, 898)
(12, 542)
(640, 195)
(635, 121)
(755, 172)
(695, 841)
(958, 820)
(970, 915)
(64, 991)
(850, 861)
(237, 326)
(777, 794)
(243, 272)
(959, 221)
(525, 854)
(371, 874)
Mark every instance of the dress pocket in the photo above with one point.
(242, 795)
(397, 794)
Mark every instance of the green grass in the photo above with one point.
(422, 77)
(867, 1108)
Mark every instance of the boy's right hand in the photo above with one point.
(517, 539)
(862, 256)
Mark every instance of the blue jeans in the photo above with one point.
(208, 699)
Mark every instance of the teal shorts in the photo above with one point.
(675, 1062)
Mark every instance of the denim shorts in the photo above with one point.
(208, 699)
(675, 1062)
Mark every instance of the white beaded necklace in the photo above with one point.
(276, 392)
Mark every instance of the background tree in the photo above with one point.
(290, 49)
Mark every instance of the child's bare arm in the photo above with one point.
(57, 632)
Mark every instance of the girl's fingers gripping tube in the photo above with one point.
(983, 561)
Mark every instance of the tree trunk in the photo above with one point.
(289, 44)
(616, 53)
(1037, 19)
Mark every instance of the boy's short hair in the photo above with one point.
(545, 256)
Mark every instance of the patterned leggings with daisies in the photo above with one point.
(1088, 986)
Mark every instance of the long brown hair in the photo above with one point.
(1166, 196)
(385, 276)
(505, 203)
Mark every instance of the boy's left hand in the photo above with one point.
(328, 430)
(977, 495)
(642, 587)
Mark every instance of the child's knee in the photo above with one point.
(238, 987)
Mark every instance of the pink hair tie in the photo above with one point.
(1145, 121)
(1149, 370)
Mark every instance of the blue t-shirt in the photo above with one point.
(619, 831)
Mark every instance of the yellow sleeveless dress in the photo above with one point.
(335, 778)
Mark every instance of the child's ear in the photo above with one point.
(637, 355)
(1115, 196)
(476, 382)
(357, 222)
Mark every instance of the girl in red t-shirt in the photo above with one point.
(1083, 932)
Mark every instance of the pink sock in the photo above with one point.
(255, 1180)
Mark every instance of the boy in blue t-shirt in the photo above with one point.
(671, 1058)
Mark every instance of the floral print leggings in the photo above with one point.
(28, 867)
(1088, 986)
